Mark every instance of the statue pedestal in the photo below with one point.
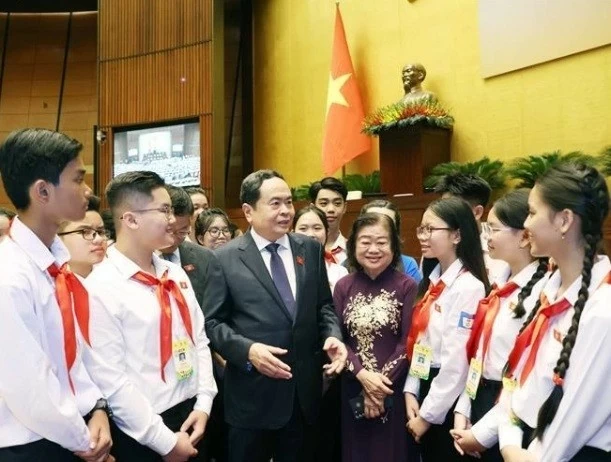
(407, 156)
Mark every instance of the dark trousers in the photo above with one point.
(437, 444)
(487, 395)
(127, 449)
(328, 429)
(38, 451)
(291, 443)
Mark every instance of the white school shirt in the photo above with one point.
(334, 273)
(585, 411)
(284, 251)
(125, 318)
(341, 242)
(504, 332)
(36, 401)
(447, 333)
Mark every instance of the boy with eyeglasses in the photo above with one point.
(146, 318)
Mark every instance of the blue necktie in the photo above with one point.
(281, 280)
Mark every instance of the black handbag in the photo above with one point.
(357, 406)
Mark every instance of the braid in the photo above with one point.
(550, 407)
(519, 310)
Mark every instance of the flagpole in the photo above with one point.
(343, 171)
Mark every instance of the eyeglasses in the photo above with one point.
(488, 230)
(89, 234)
(167, 210)
(215, 232)
(425, 232)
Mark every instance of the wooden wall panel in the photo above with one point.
(31, 85)
(137, 27)
(154, 65)
(168, 85)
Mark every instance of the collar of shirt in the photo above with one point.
(127, 268)
(261, 242)
(525, 274)
(341, 241)
(449, 276)
(599, 271)
(42, 256)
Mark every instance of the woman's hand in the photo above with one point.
(418, 427)
(375, 384)
(374, 407)
(465, 443)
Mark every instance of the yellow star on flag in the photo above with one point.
(334, 93)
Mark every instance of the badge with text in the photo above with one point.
(466, 320)
(421, 361)
(475, 374)
(509, 384)
(181, 351)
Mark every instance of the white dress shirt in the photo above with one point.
(284, 251)
(334, 273)
(36, 401)
(504, 332)
(447, 334)
(341, 242)
(125, 318)
(585, 405)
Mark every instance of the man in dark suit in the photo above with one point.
(195, 260)
(269, 313)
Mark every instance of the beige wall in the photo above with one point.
(563, 104)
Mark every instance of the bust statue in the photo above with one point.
(413, 75)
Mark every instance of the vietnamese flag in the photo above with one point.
(343, 140)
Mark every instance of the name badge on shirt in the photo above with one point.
(475, 374)
(421, 361)
(466, 320)
(509, 384)
(181, 351)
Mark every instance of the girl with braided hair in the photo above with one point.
(497, 322)
(556, 379)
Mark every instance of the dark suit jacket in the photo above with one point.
(195, 260)
(242, 306)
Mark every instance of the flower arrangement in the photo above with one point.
(426, 110)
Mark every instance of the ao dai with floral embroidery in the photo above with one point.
(376, 317)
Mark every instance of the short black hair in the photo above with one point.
(33, 154)
(7, 213)
(192, 190)
(371, 219)
(130, 183)
(109, 224)
(250, 191)
(331, 183)
(472, 188)
(181, 201)
(94, 204)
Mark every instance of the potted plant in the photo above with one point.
(490, 170)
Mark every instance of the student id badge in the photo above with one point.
(181, 351)
(421, 361)
(475, 374)
(509, 384)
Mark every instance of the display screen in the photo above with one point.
(172, 151)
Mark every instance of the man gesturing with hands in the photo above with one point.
(269, 313)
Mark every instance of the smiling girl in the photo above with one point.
(442, 322)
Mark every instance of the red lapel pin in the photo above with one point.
(188, 268)
(299, 260)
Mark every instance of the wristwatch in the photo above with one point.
(101, 405)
